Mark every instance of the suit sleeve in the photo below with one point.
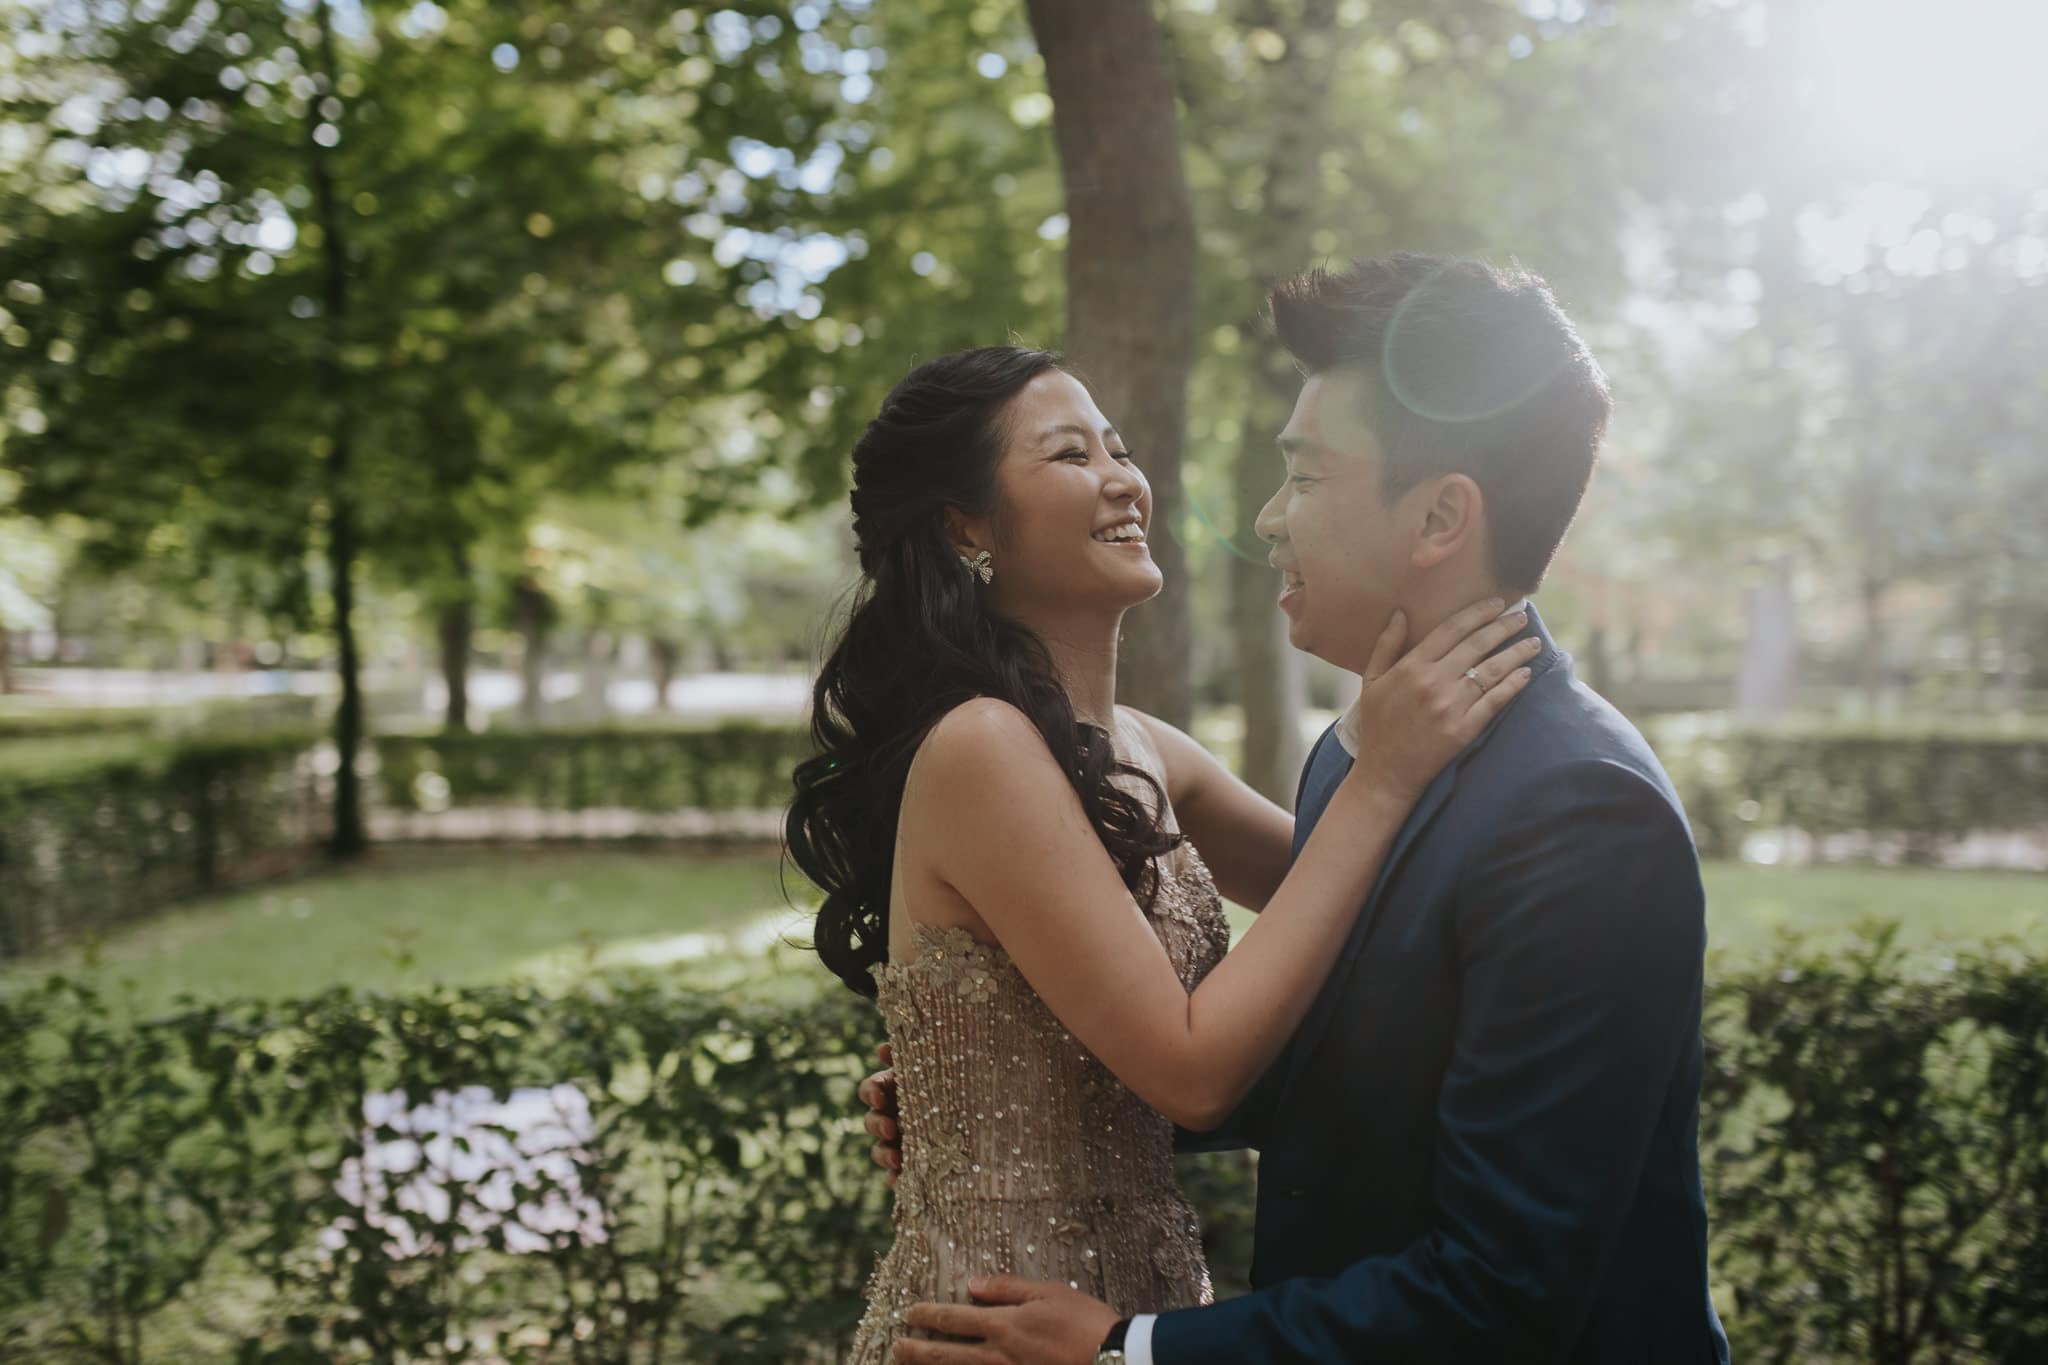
(1581, 927)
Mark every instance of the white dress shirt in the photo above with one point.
(1138, 1342)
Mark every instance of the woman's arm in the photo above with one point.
(1019, 849)
(1247, 841)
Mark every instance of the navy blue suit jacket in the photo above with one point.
(1481, 1145)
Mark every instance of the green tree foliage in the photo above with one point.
(327, 278)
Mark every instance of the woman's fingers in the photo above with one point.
(1491, 671)
(1446, 637)
(1496, 700)
(1386, 651)
(1482, 642)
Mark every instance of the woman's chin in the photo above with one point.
(1147, 584)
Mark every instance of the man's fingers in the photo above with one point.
(1446, 637)
(913, 1352)
(887, 1054)
(955, 1319)
(880, 1126)
(1009, 1288)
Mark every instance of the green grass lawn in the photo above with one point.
(1747, 906)
(412, 918)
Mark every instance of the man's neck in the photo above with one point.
(1432, 605)
(1423, 617)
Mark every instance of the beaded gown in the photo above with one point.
(1022, 1154)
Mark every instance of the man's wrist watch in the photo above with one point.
(1111, 1352)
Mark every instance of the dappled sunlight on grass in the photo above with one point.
(1749, 906)
(754, 933)
(410, 919)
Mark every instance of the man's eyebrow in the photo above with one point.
(1293, 447)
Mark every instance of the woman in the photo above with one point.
(1011, 863)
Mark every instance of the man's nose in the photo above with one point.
(1270, 526)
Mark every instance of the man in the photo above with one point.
(1482, 1143)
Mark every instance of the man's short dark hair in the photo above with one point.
(1475, 371)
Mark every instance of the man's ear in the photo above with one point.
(1453, 513)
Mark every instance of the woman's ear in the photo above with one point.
(969, 536)
(1453, 513)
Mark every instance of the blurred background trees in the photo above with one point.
(430, 420)
(505, 338)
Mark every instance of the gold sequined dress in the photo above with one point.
(1022, 1154)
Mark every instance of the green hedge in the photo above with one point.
(1922, 787)
(227, 716)
(96, 830)
(735, 766)
(50, 722)
(1875, 1146)
(96, 827)
(181, 1189)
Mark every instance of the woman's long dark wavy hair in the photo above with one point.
(919, 642)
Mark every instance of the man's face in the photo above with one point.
(1344, 553)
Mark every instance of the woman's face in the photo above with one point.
(1072, 509)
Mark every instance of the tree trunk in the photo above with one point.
(1271, 679)
(1130, 285)
(1769, 678)
(6, 661)
(594, 689)
(662, 651)
(1873, 661)
(1271, 682)
(348, 839)
(457, 627)
(1599, 662)
(534, 613)
(2013, 645)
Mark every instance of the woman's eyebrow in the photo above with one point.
(1076, 429)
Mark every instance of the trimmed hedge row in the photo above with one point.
(97, 827)
(734, 766)
(685, 1177)
(47, 723)
(1923, 788)
(94, 831)
(216, 716)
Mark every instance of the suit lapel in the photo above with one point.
(1318, 1021)
(1303, 1044)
